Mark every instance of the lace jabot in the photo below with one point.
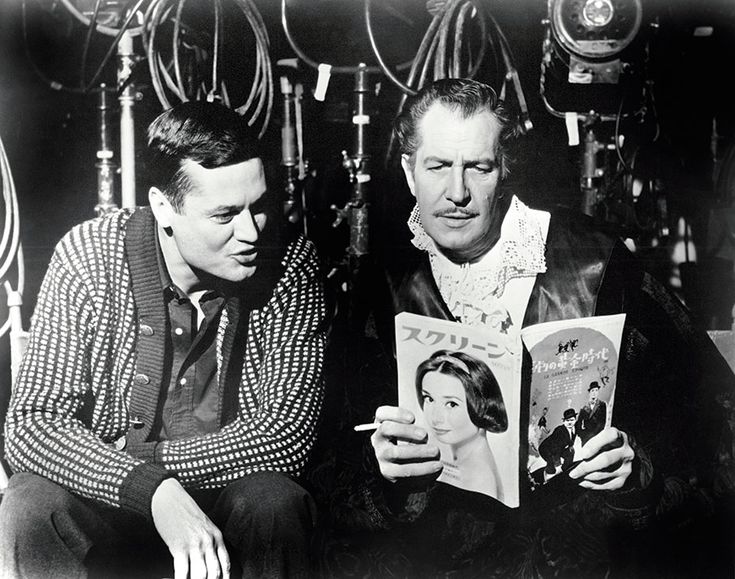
(471, 290)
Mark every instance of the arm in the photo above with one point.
(73, 362)
(672, 387)
(281, 391)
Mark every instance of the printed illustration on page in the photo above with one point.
(463, 385)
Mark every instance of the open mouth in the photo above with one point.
(247, 258)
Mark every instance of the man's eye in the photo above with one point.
(223, 217)
(428, 398)
(436, 168)
(484, 169)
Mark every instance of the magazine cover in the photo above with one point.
(463, 385)
(573, 373)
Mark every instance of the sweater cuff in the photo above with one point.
(139, 486)
(145, 451)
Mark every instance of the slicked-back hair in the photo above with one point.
(209, 134)
(464, 96)
(485, 404)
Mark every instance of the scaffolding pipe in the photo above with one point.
(126, 60)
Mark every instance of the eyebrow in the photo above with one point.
(467, 163)
(225, 209)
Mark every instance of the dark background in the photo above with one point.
(51, 135)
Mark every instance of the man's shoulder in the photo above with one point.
(299, 250)
(575, 226)
(97, 236)
(112, 223)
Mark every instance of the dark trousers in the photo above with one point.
(266, 518)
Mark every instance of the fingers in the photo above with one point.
(224, 559)
(394, 472)
(608, 462)
(394, 414)
(198, 566)
(181, 566)
(414, 459)
(206, 562)
(393, 431)
(608, 438)
(408, 460)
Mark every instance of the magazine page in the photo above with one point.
(573, 374)
(463, 385)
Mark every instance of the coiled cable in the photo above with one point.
(166, 73)
(11, 250)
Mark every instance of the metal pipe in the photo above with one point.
(126, 60)
(105, 165)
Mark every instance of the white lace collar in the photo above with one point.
(471, 290)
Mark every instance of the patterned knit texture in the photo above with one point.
(72, 396)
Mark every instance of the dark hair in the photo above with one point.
(468, 97)
(485, 404)
(207, 133)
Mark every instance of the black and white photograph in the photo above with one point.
(365, 289)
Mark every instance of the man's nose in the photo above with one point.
(245, 227)
(456, 188)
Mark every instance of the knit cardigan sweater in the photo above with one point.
(88, 388)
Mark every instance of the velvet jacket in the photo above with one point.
(672, 398)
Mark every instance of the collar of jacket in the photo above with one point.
(140, 251)
(577, 256)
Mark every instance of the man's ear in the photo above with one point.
(408, 172)
(161, 207)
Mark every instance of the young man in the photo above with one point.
(484, 257)
(172, 382)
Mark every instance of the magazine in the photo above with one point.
(573, 373)
(463, 385)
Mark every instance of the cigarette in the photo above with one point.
(364, 427)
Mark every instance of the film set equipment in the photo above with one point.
(457, 43)
(595, 63)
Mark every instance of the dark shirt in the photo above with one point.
(190, 401)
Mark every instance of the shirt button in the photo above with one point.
(141, 379)
(120, 443)
(146, 330)
(182, 381)
(178, 331)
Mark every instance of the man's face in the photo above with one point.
(454, 177)
(569, 422)
(220, 221)
(593, 395)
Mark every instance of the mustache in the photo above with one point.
(455, 211)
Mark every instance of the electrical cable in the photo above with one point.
(84, 88)
(166, 71)
(11, 250)
(384, 67)
(88, 41)
(106, 30)
(434, 48)
(111, 50)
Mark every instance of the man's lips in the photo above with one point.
(245, 257)
(455, 214)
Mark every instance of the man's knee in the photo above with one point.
(39, 528)
(31, 502)
(269, 496)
